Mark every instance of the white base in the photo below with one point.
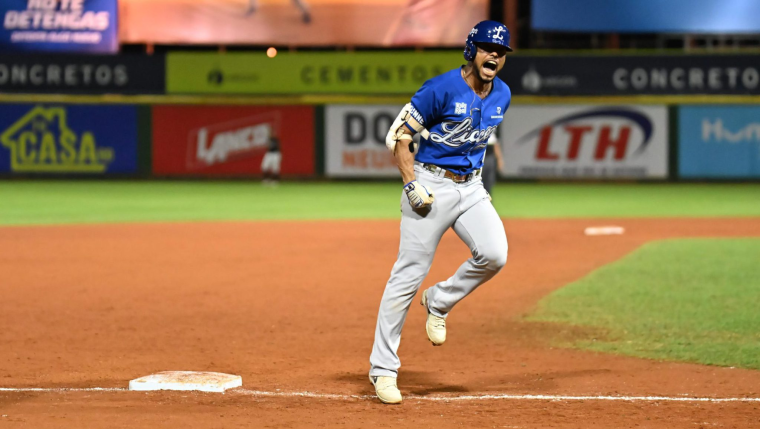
(187, 380)
(604, 230)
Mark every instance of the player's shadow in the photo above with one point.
(414, 382)
(530, 381)
(424, 391)
(424, 383)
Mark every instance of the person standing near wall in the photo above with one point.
(492, 163)
(270, 165)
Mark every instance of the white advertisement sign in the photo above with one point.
(355, 141)
(585, 141)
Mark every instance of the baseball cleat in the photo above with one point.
(435, 326)
(386, 389)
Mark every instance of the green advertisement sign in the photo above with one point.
(306, 72)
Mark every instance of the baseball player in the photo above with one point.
(492, 163)
(270, 164)
(455, 114)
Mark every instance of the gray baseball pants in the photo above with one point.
(465, 208)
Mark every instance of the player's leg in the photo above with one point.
(275, 165)
(420, 234)
(406, 277)
(482, 230)
(265, 167)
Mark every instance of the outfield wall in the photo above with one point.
(541, 141)
(209, 114)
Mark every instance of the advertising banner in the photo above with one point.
(300, 22)
(83, 74)
(231, 140)
(646, 16)
(307, 72)
(54, 138)
(719, 142)
(632, 74)
(59, 26)
(585, 142)
(355, 141)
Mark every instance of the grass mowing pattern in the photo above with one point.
(89, 202)
(54, 202)
(694, 300)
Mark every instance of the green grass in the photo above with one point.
(694, 300)
(54, 202)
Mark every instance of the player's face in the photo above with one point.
(489, 60)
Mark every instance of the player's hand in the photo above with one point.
(419, 195)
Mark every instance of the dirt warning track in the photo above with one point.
(292, 306)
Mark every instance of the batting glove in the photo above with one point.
(419, 195)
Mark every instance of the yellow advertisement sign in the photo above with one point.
(306, 72)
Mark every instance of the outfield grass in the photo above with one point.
(694, 300)
(53, 202)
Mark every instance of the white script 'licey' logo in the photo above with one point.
(460, 133)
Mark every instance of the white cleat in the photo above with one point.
(386, 389)
(435, 326)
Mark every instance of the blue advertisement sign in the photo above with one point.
(719, 142)
(646, 16)
(59, 25)
(80, 139)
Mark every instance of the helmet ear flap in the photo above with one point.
(469, 51)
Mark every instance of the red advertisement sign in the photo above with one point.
(231, 140)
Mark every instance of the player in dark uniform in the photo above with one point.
(270, 165)
(492, 164)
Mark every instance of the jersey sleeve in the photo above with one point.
(426, 105)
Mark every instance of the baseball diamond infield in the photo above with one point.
(291, 307)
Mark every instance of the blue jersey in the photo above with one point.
(459, 121)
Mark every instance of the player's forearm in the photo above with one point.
(497, 152)
(405, 161)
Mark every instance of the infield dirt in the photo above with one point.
(292, 306)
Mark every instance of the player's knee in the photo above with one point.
(495, 258)
(499, 260)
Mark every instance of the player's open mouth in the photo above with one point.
(489, 67)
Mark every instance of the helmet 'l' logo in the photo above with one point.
(497, 34)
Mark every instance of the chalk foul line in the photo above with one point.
(316, 395)
(62, 389)
(333, 396)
